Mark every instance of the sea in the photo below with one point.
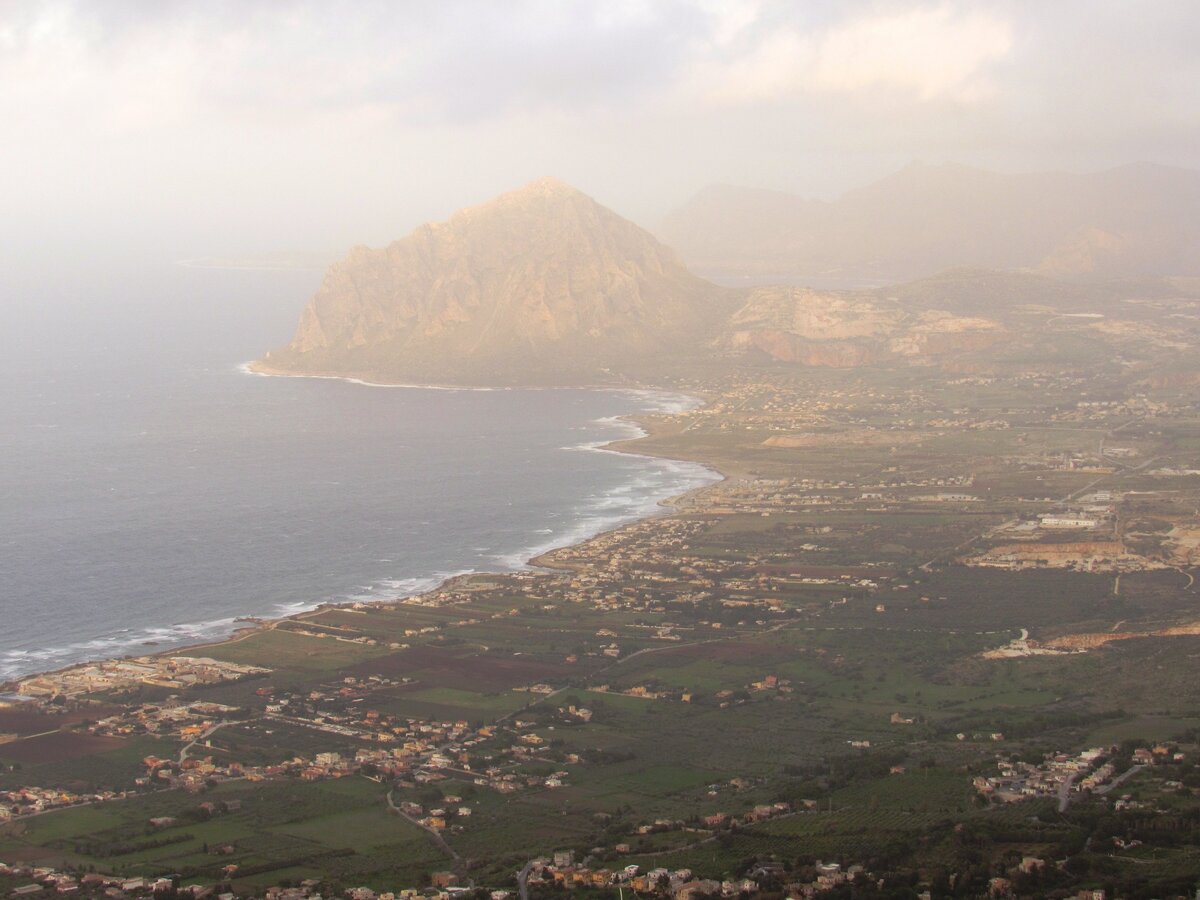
(153, 491)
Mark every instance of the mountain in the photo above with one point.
(849, 329)
(970, 321)
(540, 285)
(545, 286)
(1134, 220)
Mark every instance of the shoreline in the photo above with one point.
(538, 555)
(260, 370)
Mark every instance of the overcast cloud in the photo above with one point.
(243, 127)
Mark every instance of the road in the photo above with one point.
(1123, 471)
(434, 835)
(1064, 792)
(523, 880)
(1119, 780)
(203, 736)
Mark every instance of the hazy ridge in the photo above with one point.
(1133, 220)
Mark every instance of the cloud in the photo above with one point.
(931, 51)
(727, 21)
(344, 119)
(928, 53)
(117, 64)
(115, 68)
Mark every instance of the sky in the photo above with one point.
(238, 128)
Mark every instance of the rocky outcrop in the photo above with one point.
(541, 284)
(841, 330)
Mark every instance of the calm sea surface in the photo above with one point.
(151, 492)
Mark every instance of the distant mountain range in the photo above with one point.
(1134, 220)
(545, 286)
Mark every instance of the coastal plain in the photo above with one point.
(834, 654)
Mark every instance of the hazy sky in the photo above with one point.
(244, 127)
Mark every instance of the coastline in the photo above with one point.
(261, 370)
(537, 556)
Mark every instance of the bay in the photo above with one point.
(152, 491)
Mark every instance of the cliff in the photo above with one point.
(540, 285)
(847, 330)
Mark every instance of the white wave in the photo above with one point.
(382, 591)
(389, 589)
(18, 663)
(283, 610)
(246, 369)
(654, 401)
(640, 498)
(666, 402)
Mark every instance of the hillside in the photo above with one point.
(846, 330)
(539, 285)
(1129, 221)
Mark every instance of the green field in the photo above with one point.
(337, 829)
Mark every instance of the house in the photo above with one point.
(693, 889)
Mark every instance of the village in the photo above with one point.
(767, 613)
(558, 872)
(1059, 775)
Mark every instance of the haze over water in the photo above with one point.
(152, 492)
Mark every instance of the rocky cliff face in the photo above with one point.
(541, 284)
(844, 330)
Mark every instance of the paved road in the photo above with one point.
(1119, 780)
(1064, 792)
(205, 735)
(523, 880)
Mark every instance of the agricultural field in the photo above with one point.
(340, 828)
(108, 763)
